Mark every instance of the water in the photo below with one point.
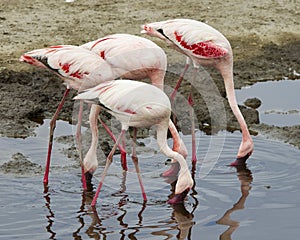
(261, 202)
(280, 101)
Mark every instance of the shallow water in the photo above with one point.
(280, 101)
(267, 206)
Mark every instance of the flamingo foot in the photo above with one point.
(240, 160)
(173, 171)
(179, 198)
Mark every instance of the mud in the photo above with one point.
(21, 165)
(264, 36)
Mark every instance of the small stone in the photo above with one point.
(253, 102)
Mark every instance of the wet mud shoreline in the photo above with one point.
(266, 47)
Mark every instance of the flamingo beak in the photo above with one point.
(88, 178)
(179, 198)
(173, 170)
(240, 160)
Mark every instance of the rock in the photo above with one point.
(253, 103)
(21, 165)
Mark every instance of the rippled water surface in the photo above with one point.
(261, 201)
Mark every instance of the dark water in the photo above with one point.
(259, 202)
(280, 101)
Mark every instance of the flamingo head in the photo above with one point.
(184, 182)
(183, 186)
(90, 165)
(88, 178)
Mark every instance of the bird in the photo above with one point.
(204, 46)
(79, 69)
(138, 104)
(132, 57)
(136, 58)
(117, 56)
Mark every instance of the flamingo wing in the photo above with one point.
(192, 37)
(74, 64)
(133, 103)
(128, 53)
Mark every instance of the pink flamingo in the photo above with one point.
(65, 61)
(139, 104)
(130, 57)
(118, 55)
(204, 45)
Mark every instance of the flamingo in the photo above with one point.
(134, 58)
(117, 55)
(65, 61)
(203, 45)
(138, 104)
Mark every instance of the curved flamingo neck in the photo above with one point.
(226, 69)
(185, 180)
(178, 144)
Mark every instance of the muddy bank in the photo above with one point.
(264, 36)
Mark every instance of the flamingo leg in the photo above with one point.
(191, 103)
(52, 128)
(136, 165)
(79, 144)
(173, 95)
(107, 165)
(123, 154)
(121, 148)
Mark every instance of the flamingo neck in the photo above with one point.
(226, 69)
(178, 144)
(157, 78)
(185, 180)
(90, 161)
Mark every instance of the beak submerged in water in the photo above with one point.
(88, 179)
(178, 198)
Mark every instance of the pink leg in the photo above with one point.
(191, 103)
(52, 127)
(136, 164)
(173, 95)
(108, 163)
(121, 148)
(123, 154)
(79, 144)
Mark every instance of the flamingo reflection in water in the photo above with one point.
(245, 177)
(92, 223)
(181, 221)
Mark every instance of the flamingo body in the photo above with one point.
(137, 104)
(131, 57)
(204, 45)
(127, 101)
(85, 66)
(135, 58)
